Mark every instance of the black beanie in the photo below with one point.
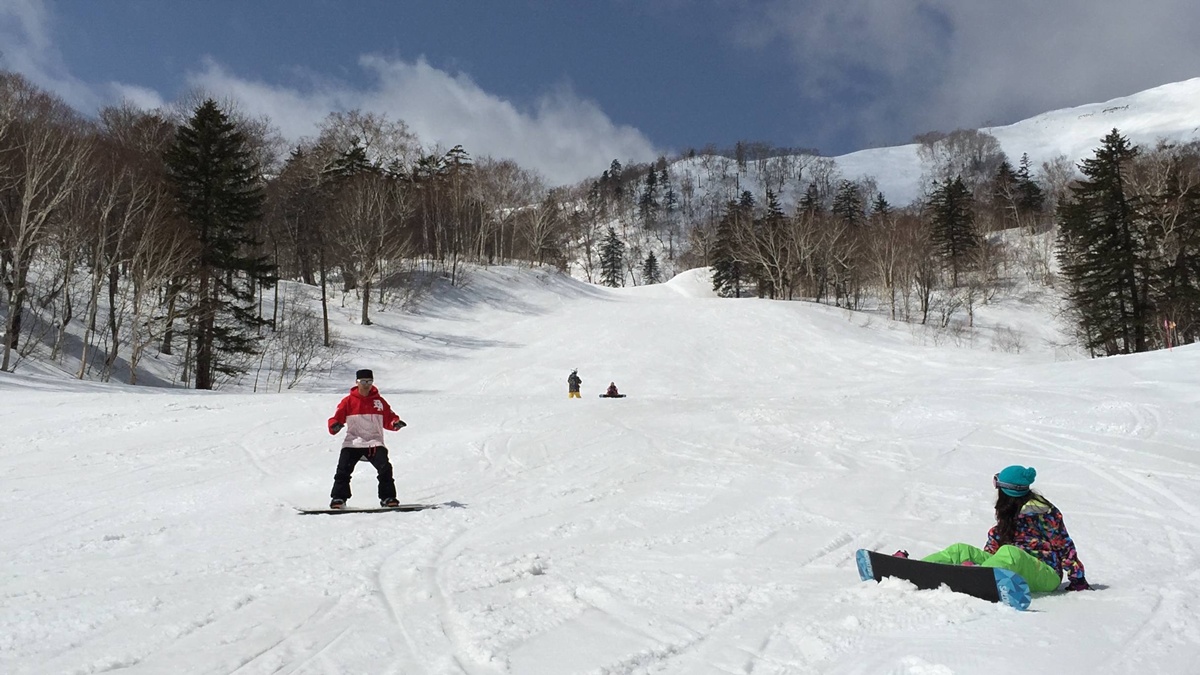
(364, 374)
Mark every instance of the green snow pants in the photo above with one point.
(1041, 577)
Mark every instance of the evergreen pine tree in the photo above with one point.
(612, 260)
(810, 203)
(953, 221)
(648, 202)
(848, 204)
(1004, 194)
(726, 269)
(218, 194)
(744, 221)
(1031, 199)
(670, 201)
(746, 203)
(1004, 181)
(880, 208)
(616, 180)
(650, 272)
(1101, 248)
(848, 208)
(352, 161)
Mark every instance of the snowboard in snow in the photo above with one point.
(607, 396)
(377, 509)
(986, 583)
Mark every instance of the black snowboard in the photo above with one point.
(986, 583)
(377, 509)
(607, 396)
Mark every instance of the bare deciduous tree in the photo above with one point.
(368, 210)
(766, 244)
(1056, 175)
(156, 257)
(45, 155)
(970, 154)
(503, 188)
(541, 228)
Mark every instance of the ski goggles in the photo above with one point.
(365, 380)
(1001, 485)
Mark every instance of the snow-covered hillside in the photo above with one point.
(1165, 113)
(1170, 112)
(705, 524)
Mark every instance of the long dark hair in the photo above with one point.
(1007, 510)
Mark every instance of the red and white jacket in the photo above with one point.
(365, 418)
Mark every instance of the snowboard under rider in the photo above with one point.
(573, 383)
(364, 414)
(1029, 538)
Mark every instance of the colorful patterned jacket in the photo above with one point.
(1041, 532)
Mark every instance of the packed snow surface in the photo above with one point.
(705, 524)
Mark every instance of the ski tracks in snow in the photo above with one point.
(561, 568)
(417, 604)
(1153, 486)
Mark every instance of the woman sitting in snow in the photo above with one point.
(612, 391)
(1029, 538)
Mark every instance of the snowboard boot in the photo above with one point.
(389, 503)
(337, 504)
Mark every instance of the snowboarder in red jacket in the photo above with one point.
(364, 414)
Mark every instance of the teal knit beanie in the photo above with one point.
(1015, 480)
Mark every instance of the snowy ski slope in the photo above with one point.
(705, 524)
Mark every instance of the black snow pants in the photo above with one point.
(350, 458)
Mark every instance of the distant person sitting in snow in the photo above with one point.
(612, 392)
(1029, 538)
(364, 414)
(573, 383)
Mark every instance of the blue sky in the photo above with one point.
(564, 87)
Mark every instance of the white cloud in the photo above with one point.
(562, 136)
(140, 97)
(26, 48)
(23, 26)
(908, 66)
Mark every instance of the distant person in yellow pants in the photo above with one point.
(1029, 538)
(573, 383)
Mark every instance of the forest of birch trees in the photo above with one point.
(197, 236)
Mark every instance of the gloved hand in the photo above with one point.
(1079, 584)
(336, 427)
(398, 425)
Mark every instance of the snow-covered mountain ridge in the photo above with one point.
(1170, 112)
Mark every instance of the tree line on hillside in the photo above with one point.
(1129, 247)
(1126, 235)
(844, 243)
(163, 232)
(193, 235)
(196, 236)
